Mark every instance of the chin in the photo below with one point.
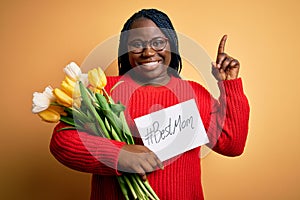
(153, 74)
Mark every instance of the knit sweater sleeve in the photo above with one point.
(84, 152)
(229, 118)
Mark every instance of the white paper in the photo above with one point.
(171, 131)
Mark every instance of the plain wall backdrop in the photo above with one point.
(38, 38)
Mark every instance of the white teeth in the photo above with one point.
(149, 64)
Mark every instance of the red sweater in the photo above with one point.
(225, 120)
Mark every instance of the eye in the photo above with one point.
(136, 44)
(158, 42)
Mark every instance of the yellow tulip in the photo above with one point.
(49, 116)
(76, 91)
(76, 96)
(60, 110)
(67, 86)
(70, 82)
(62, 98)
(77, 102)
(97, 78)
(95, 90)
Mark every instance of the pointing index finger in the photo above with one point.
(222, 44)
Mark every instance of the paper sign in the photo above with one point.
(171, 131)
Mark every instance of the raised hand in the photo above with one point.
(225, 67)
(138, 159)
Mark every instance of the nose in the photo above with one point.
(148, 52)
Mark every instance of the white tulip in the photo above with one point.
(72, 71)
(84, 79)
(48, 92)
(41, 101)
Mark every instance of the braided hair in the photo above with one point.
(164, 23)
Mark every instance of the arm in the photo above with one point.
(84, 152)
(229, 115)
(229, 119)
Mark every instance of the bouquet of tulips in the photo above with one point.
(83, 104)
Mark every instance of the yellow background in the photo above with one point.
(38, 38)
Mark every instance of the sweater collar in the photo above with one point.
(171, 83)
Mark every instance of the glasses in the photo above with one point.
(157, 44)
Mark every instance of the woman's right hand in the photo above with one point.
(138, 159)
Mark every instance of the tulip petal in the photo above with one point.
(59, 109)
(84, 79)
(40, 102)
(97, 78)
(62, 97)
(70, 81)
(49, 116)
(67, 88)
(72, 71)
(93, 77)
(103, 80)
(48, 92)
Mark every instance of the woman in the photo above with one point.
(149, 67)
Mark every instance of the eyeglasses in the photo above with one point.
(157, 44)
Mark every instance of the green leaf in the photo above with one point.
(67, 128)
(86, 99)
(67, 120)
(102, 101)
(126, 130)
(69, 111)
(117, 108)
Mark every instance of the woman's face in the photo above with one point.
(149, 65)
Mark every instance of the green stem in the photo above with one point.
(107, 125)
(115, 136)
(115, 123)
(115, 128)
(126, 130)
(139, 191)
(112, 118)
(130, 187)
(87, 101)
(123, 187)
(148, 186)
(139, 181)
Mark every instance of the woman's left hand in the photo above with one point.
(225, 67)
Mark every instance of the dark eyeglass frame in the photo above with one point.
(137, 50)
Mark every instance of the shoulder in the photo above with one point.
(188, 89)
(113, 78)
(195, 86)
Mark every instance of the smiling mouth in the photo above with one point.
(149, 65)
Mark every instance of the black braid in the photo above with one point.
(164, 23)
